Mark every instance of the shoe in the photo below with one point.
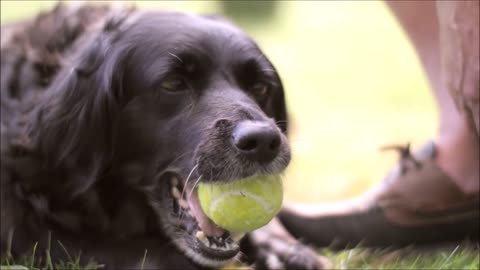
(416, 204)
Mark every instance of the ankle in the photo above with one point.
(458, 157)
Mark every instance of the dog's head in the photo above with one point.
(163, 101)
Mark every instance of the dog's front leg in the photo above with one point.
(272, 247)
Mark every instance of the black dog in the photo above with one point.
(109, 120)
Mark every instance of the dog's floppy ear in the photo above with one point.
(75, 123)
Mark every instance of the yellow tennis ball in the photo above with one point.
(243, 205)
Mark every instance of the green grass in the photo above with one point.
(353, 83)
(49, 263)
(465, 256)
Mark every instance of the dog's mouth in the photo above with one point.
(178, 206)
(190, 229)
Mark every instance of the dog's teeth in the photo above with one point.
(205, 241)
(200, 235)
(213, 245)
(174, 181)
(224, 245)
(176, 193)
(227, 245)
(183, 203)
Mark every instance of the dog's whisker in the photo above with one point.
(169, 166)
(194, 185)
(191, 191)
(176, 57)
(188, 109)
(268, 70)
(259, 57)
(180, 156)
(188, 178)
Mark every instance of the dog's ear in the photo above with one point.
(75, 123)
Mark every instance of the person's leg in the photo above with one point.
(432, 195)
(459, 46)
(457, 145)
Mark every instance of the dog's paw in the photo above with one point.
(297, 257)
(303, 257)
(273, 249)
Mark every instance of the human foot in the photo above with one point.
(417, 203)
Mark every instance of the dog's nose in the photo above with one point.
(256, 140)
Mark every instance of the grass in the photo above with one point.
(465, 257)
(353, 83)
(29, 261)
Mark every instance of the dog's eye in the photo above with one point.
(260, 90)
(173, 84)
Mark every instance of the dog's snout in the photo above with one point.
(256, 140)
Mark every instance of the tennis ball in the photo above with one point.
(243, 205)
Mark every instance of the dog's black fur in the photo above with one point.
(101, 108)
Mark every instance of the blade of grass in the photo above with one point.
(32, 262)
(47, 252)
(144, 258)
(66, 252)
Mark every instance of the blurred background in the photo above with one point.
(352, 80)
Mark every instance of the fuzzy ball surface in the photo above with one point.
(243, 205)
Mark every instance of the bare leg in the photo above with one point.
(419, 203)
(457, 141)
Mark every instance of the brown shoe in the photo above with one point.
(417, 203)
